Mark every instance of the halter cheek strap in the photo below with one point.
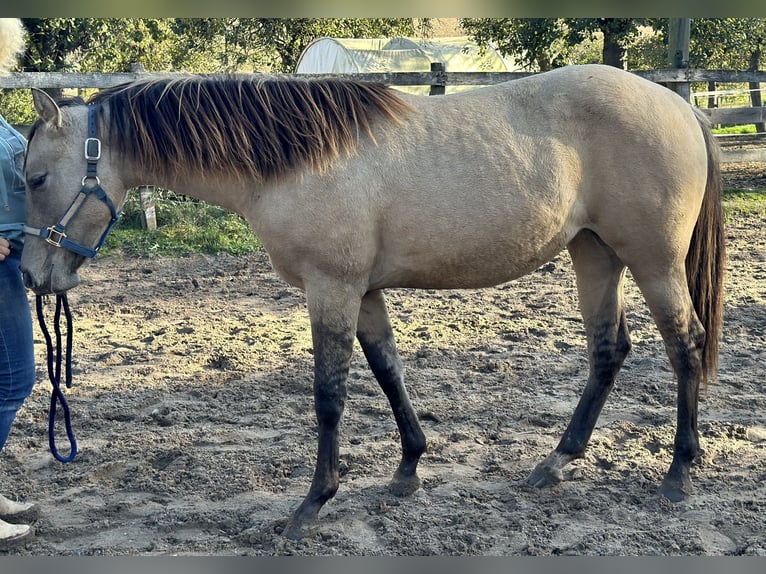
(91, 186)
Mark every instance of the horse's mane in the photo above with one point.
(255, 127)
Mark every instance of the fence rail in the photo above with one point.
(432, 78)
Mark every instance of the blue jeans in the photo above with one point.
(17, 354)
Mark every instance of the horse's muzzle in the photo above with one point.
(48, 285)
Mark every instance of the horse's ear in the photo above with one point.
(46, 108)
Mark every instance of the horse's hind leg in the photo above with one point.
(377, 340)
(600, 275)
(668, 298)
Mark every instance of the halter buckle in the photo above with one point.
(92, 149)
(56, 239)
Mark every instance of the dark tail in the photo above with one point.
(706, 260)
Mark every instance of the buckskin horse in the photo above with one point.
(354, 188)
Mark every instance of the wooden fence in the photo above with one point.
(437, 79)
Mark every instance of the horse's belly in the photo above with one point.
(463, 265)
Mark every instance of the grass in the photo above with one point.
(187, 227)
(750, 202)
(740, 129)
(183, 228)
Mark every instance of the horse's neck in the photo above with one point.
(230, 193)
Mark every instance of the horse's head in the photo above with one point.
(68, 210)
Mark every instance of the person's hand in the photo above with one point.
(5, 248)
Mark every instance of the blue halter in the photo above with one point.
(91, 186)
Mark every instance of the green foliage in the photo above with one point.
(536, 43)
(275, 44)
(544, 43)
(183, 227)
(16, 107)
(200, 45)
(726, 43)
(195, 45)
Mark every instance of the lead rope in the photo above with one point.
(54, 372)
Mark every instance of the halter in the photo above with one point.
(91, 185)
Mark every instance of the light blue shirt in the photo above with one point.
(13, 212)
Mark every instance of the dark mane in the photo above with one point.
(244, 126)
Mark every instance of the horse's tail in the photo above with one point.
(706, 260)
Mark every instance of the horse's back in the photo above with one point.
(481, 187)
(518, 169)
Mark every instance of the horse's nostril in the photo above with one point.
(27, 279)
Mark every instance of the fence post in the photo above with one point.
(755, 89)
(438, 88)
(678, 53)
(148, 212)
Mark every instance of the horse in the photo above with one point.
(354, 188)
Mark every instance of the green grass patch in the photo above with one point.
(740, 129)
(739, 203)
(183, 228)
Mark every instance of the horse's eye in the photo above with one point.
(37, 181)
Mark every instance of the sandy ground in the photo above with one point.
(193, 413)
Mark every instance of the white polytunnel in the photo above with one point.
(369, 55)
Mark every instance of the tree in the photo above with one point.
(203, 45)
(727, 43)
(275, 44)
(96, 44)
(194, 44)
(533, 42)
(547, 42)
(617, 34)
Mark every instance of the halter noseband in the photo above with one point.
(91, 185)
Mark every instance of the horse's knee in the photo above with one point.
(329, 407)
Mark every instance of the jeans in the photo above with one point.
(17, 355)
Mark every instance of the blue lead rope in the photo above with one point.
(54, 372)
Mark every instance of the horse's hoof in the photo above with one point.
(404, 486)
(675, 492)
(299, 530)
(545, 475)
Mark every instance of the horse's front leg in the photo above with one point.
(333, 312)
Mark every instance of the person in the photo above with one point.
(17, 359)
